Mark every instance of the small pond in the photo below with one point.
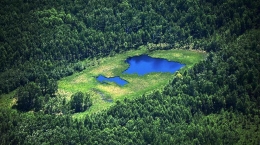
(142, 65)
(117, 80)
(145, 64)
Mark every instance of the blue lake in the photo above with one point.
(117, 80)
(142, 65)
(145, 64)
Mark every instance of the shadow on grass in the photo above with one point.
(103, 96)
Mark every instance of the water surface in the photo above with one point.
(117, 80)
(145, 64)
(142, 65)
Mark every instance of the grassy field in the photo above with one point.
(7, 100)
(114, 66)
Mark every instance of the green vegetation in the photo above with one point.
(80, 102)
(85, 81)
(7, 100)
(52, 50)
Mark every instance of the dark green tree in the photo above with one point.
(80, 102)
(87, 102)
(28, 97)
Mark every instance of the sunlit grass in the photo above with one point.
(85, 81)
(7, 100)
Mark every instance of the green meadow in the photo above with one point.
(86, 82)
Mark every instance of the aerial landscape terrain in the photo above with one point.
(130, 72)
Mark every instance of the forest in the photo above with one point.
(217, 101)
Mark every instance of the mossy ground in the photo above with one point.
(85, 81)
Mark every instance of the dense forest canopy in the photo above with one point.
(215, 102)
(45, 38)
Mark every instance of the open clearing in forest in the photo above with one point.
(85, 80)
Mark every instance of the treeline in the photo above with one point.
(42, 98)
(50, 36)
(216, 102)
